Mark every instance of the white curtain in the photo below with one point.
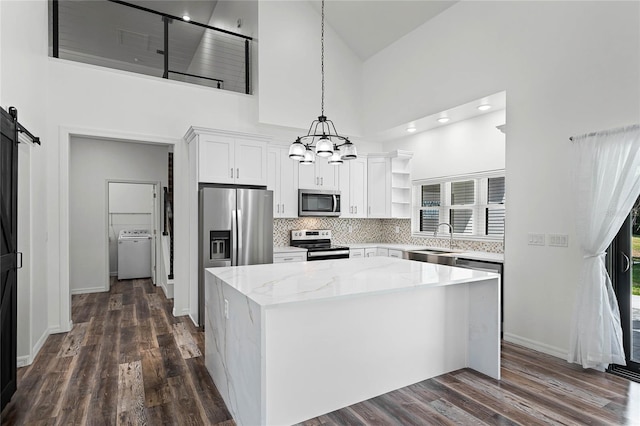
(606, 182)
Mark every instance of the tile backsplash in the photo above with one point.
(372, 231)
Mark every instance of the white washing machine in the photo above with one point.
(134, 254)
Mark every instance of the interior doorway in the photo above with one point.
(132, 229)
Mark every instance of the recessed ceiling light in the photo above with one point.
(484, 107)
(443, 119)
(186, 18)
(411, 129)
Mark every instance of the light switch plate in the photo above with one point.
(559, 240)
(536, 239)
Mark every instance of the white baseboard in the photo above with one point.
(167, 288)
(89, 290)
(193, 320)
(23, 361)
(535, 345)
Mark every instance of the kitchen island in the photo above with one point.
(288, 342)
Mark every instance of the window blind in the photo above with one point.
(495, 221)
(431, 195)
(461, 220)
(496, 190)
(463, 193)
(429, 220)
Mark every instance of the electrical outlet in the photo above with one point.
(559, 240)
(536, 239)
(226, 308)
(397, 229)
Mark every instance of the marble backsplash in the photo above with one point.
(372, 231)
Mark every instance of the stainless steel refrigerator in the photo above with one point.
(235, 228)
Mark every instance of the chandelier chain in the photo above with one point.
(322, 58)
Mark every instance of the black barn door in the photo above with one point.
(8, 254)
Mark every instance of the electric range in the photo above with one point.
(318, 244)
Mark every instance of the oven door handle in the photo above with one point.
(327, 253)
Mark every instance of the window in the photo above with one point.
(474, 205)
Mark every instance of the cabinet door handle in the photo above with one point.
(288, 259)
(350, 209)
(232, 172)
(237, 173)
(282, 207)
(356, 208)
(321, 181)
(278, 208)
(318, 181)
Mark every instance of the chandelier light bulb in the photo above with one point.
(297, 150)
(335, 159)
(324, 147)
(349, 151)
(309, 158)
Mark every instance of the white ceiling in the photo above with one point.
(368, 26)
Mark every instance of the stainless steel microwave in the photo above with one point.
(318, 202)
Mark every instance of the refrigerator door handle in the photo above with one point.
(234, 236)
(241, 261)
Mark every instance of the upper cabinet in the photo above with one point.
(320, 175)
(353, 188)
(282, 179)
(389, 180)
(227, 157)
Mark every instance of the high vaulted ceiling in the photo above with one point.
(368, 26)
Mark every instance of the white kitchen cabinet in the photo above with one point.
(320, 175)
(371, 252)
(379, 187)
(389, 185)
(282, 179)
(228, 157)
(353, 188)
(380, 251)
(289, 257)
(356, 253)
(395, 253)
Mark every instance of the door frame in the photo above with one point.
(155, 223)
(181, 214)
(621, 279)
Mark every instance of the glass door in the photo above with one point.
(623, 263)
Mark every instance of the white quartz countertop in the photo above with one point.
(275, 284)
(471, 255)
(289, 249)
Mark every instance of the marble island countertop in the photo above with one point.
(276, 284)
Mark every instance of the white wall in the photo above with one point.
(130, 207)
(468, 146)
(92, 163)
(289, 69)
(568, 68)
(23, 66)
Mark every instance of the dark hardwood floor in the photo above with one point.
(129, 361)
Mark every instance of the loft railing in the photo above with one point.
(125, 36)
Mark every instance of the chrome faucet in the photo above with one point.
(435, 233)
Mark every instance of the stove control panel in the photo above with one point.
(311, 234)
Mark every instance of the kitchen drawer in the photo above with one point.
(380, 251)
(356, 253)
(289, 257)
(370, 252)
(395, 253)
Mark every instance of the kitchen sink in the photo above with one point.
(441, 257)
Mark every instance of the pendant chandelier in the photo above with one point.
(322, 139)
